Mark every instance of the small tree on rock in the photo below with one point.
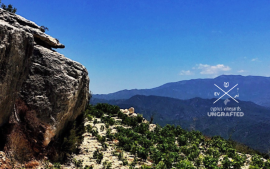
(8, 8)
(44, 28)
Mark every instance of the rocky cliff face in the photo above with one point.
(33, 77)
(56, 88)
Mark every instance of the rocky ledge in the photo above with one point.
(15, 21)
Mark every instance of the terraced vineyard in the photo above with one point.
(123, 139)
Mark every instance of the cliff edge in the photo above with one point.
(40, 89)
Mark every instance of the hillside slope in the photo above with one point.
(123, 139)
(251, 129)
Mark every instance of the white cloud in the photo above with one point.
(241, 71)
(255, 59)
(186, 72)
(208, 69)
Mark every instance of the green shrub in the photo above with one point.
(94, 132)
(257, 161)
(89, 128)
(139, 118)
(142, 128)
(142, 153)
(161, 165)
(120, 155)
(254, 167)
(210, 162)
(98, 155)
(57, 165)
(109, 109)
(87, 167)
(104, 146)
(95, 122)
(193, 155)
(198, 162)
(182, 140)
(109, 135)
(72, 138)
(101, 139)
(213, 152)
(145, 167)
(226, 163)
(8, 8)
(231, 152)
(97, 113)
(238, 161)
(102, 128)
(107, 165)
(89, 117)
(78, 163)
(267, 164)
(125, 162)
(184, 164)
(111, 121)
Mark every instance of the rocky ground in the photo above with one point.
(90, 144)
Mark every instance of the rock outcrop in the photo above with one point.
(53, 88)
(56, 88)
(15, 21)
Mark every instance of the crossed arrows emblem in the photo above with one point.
(225, 93)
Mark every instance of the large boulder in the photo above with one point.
(56, 88)
(37, 82)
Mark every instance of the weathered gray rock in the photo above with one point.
(57, 88)
(53, 86)
(21, 23)
(16, 48)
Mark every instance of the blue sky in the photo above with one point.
(127, 44)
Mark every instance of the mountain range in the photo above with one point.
(249, 88)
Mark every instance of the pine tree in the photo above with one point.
(8, 8)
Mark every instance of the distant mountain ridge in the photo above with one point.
(250, 88)
(252, 129)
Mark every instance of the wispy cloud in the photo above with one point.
(241, 71)
(186, 72)
(211, 70)
(254, 59)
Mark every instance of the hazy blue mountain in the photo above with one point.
(250, 88)
(252, 129)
